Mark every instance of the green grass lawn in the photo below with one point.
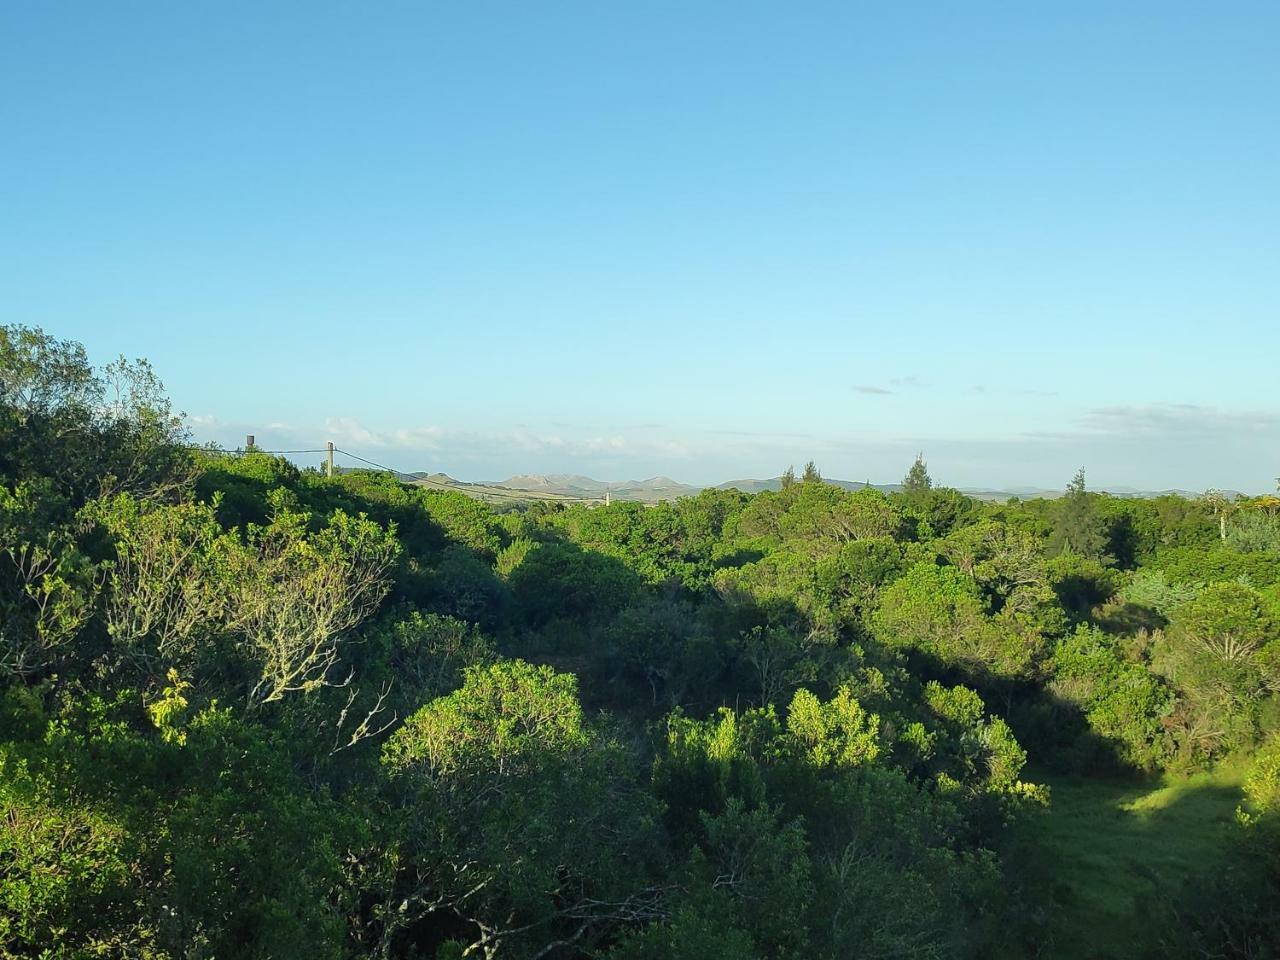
(1108, 852)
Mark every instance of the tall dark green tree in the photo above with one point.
(917, 479)
(811, 474)
(1078, 527)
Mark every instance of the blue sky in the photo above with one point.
(696, 239)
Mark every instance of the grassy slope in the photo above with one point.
(1108, 852)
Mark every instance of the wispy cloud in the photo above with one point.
(896, 385)
(415, 447)
(762, 434)
(1151, 446)
(1180, 420)
(1173, 422)
(349, 430)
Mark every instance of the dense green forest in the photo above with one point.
(250, 711)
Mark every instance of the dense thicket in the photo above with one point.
(248, 711)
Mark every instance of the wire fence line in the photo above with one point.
(416, 479)
(221, 452)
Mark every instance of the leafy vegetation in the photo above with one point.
(250, 711)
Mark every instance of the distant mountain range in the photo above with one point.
(575, 487)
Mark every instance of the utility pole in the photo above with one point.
(328, 464)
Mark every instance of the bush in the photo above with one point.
(1123, 703)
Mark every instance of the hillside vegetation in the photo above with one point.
(579, 489)
(249, 711)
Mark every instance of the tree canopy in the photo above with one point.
(248, 710)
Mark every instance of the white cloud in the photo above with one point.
(1152, 446)
(348, 430)
(1178, 420)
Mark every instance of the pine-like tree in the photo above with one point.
(811, 474)
(1079, 528)
(917, 479)
(788, 477)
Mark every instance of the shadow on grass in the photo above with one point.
(1101, 870)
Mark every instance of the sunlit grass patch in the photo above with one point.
(1108, 853)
